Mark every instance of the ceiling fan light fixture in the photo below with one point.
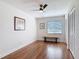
(41, 9)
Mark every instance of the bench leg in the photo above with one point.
(56, 40)
(44, 39)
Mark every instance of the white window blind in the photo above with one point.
(55, 27)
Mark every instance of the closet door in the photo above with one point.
(71, 30)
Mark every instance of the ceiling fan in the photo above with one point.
(42, 7)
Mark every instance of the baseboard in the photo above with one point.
(71, 53)
(16, 49)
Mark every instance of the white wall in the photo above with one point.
(66, 29)
(43, 32)
(11, 40)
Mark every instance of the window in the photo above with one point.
(55, 27)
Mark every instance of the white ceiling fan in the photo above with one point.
(42, 7)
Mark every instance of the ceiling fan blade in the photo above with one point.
(41, 5)
(45, 6)
(35, 10)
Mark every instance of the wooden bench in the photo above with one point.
(48, 37)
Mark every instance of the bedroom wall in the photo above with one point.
(11, 40)
(43, 32)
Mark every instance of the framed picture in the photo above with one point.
(19, 24)
(42, 25)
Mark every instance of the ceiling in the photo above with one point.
(54, 6)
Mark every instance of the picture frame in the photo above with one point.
(42, 25)
(19, 24)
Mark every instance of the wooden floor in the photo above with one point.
(42, 50)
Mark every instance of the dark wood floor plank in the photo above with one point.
(41, 50)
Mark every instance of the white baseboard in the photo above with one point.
(9, 52)
(72, 53)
